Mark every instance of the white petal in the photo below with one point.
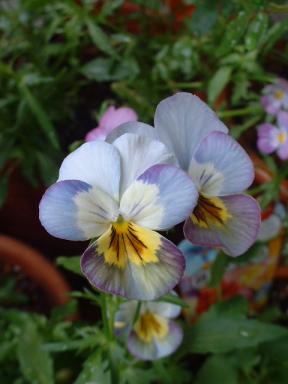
(161, 198)
(182, 121)
(221, 166)
(97, 163)
(139, 153)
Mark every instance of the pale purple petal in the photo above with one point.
(157, 348)
(221, 166)
(140, 282)
(238, 233)
(282, 119)
(136, 127)
(182, 121)
(267, 138)
(282, 151)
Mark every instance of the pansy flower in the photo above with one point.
(120, 194)
(110, 120)
(272, 138)
(154, 334)
(220, 168)
(275, 97)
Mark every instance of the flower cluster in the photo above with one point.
(142, 179)
(274, 137)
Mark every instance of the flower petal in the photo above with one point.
(164, 309)
(98, 133)
(282, 119)
(114, 117)
(237, 234)
(282, 151)
(97, 163)
(182, 121)
(69, 211)
(270, 228)
(160, 198)
(135, 279)
(157, 348)
(138, 128)
(267, 138)
(139, 153)
(221, 166)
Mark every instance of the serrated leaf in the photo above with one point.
(218, 82)
(234, 32)
(94, 371)
(40, 115)
(99, 38)
(256, 31)
(35, 362)
(72, 264)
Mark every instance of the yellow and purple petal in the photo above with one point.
(220, 166)
(160, 198)
(230, 222)
(133, 262)
(74, 210)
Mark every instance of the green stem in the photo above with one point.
(105, 319)
(239, 112)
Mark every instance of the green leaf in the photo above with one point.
(99, 38)
(276, 32)
(224, 334)
(40, 114)
(64, 311)
(217, 369)
(256, 31)
(72, 264)
(94, 371)
(35, 363)
(108, 70)
(234, 32)
(218, 82)
(218, 269)
(48, 168)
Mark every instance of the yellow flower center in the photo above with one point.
(279, 95)
(127, 241)
(149, 326)
(209, 212)
(282, 137)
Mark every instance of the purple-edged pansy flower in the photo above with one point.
(273, 138)
(220, 168)
(275, 97)
(110, 120)
(154, 334)
(120, 194)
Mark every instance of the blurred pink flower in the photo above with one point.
(111, 119)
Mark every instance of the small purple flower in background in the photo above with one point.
(154, 335)
(110, 120)
(273, 138)
(275, 97)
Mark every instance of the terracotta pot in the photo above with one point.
(15, 255)
(19, 218)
